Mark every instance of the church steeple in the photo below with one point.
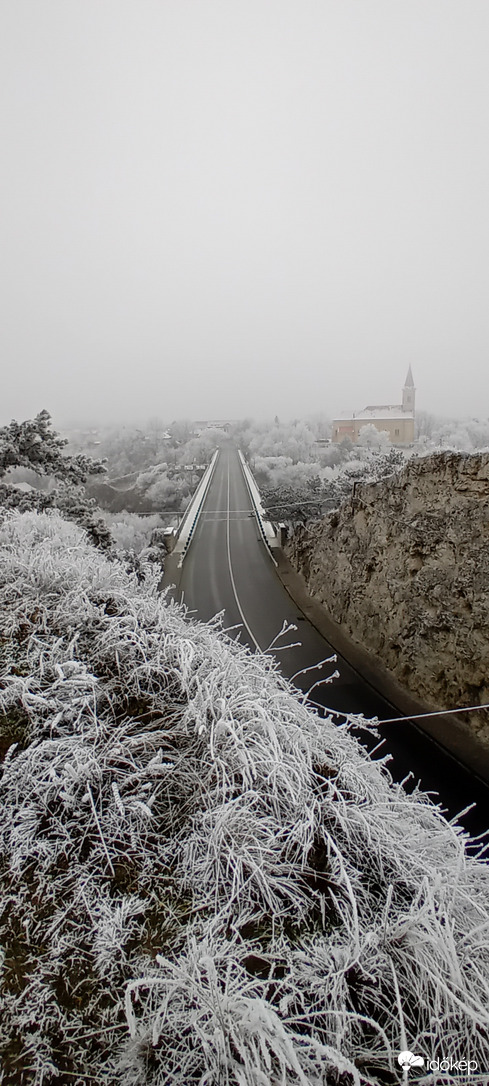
(408, 393)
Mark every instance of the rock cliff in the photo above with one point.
(403, 567)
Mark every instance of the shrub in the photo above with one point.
(203, 881)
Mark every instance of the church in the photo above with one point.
(396, 419)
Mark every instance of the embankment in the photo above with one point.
(403, 568)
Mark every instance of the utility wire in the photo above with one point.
(417, 716)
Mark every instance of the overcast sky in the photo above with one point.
(214, 208)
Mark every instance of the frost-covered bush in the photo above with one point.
(461, 434)
(130, 532)
(202, 881)
(303, 492)
(159, 488)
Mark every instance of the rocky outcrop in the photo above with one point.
(403, 567)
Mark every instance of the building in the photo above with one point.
(201, 425)
(396, 419)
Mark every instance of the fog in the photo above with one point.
(214, 209)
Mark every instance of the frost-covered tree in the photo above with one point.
(137, 539)
(163, 490)
(200, 448)
(294, 439)
(126, 449)
(461, 434)
(156, 431)
(294, 504)
(33, 444)
(299, 493)
(372, 438)
(181, 430)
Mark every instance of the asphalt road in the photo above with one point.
(228, 568)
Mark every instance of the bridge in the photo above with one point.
(225, 563)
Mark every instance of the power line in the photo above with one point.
(439, 712)
(417, 716)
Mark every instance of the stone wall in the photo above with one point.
(403, 567)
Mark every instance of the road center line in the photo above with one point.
(233, 585)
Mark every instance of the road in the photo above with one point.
(228, 568)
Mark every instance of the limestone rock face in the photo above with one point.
(403, 566)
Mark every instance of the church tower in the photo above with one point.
(408, 393)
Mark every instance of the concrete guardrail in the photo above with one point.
(192, 513)
(267, 530)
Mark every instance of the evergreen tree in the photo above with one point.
(34, 445)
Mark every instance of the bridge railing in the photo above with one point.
(191, 516)
(267, 531)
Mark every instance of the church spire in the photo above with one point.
(408, 393)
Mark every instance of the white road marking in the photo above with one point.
(219, 520)
(245, 624)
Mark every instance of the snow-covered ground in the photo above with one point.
(202, 881)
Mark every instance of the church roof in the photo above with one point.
(409, 383)
(391, 411)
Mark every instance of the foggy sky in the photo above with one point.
(214, 208)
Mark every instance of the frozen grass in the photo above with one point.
(202, 881)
